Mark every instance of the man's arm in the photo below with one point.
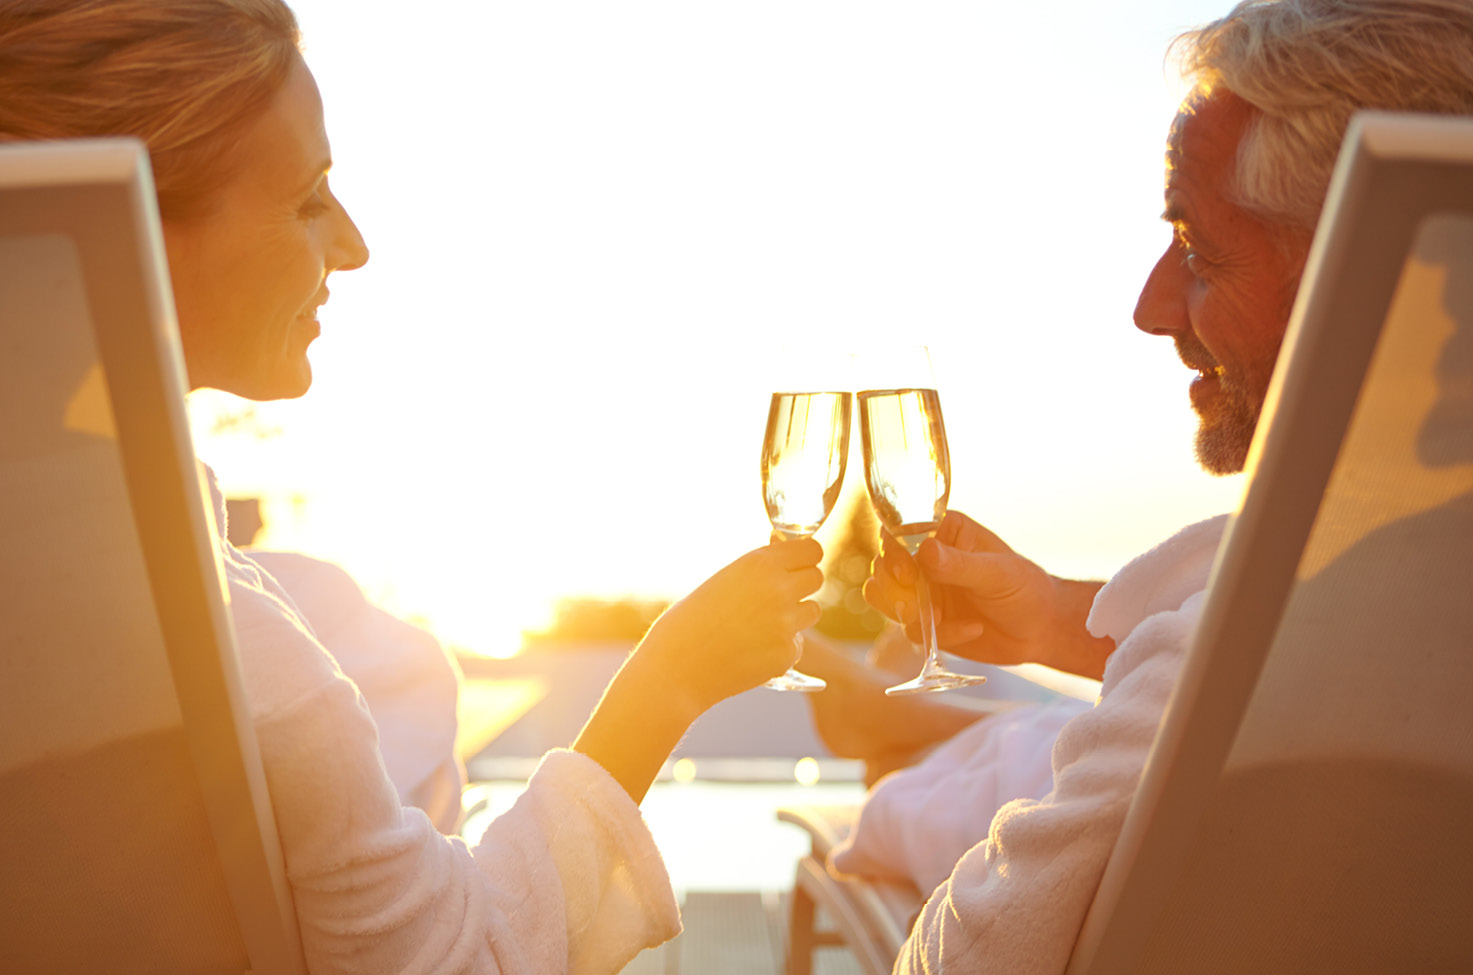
(1014, 903)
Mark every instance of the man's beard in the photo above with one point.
(1224, 435)
(1223, 439)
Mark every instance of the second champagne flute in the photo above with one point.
(907, 469)
(803, 458)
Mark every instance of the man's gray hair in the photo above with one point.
(1308, 65)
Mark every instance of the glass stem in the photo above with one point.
(927, 613)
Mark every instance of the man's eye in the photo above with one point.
(1189, 255)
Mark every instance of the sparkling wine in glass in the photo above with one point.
(907, 470)
(803, 457)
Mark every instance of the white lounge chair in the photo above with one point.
(869, 917)
(135, 830)
(1306, 805)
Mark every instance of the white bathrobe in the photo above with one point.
(1015, 902)
(568, 880)
(917, 822)
(411, 684)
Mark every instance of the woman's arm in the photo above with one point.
(732, 633)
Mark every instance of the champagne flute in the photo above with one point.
(803, 457)
(907, 469)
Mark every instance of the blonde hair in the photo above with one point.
(185, 76)
(1308, 65)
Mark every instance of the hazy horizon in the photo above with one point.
(592, 225)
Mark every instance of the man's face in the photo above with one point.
(1224, 288)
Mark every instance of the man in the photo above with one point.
(1248, 163)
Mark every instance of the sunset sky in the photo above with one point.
(595, 225)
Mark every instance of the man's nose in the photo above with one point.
(1162, 307)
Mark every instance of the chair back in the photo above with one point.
(1308, 802)
(136, 834)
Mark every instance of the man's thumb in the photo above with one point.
(974, 570)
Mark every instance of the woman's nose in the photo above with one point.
(351, 251)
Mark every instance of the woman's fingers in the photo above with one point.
(802, 582)
(796, 553)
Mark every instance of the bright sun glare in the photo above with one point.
(593, 225)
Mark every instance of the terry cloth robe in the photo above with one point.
(915, 823)
(410, 683)
(1015, 902)
(568, 880)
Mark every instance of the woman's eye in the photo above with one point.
(314, 207)
(319, 203)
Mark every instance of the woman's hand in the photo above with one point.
(992, 604)
(732, 633)
(737, 628)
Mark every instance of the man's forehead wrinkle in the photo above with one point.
(1195, 99)
(1193, 105)
(1173, 165)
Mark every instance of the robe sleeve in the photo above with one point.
(1015, 902)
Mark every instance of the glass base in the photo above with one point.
(936, 680)
(794, 681)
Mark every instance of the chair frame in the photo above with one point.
(84, 190)
(871, 918)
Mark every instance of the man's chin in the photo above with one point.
(1222, 448)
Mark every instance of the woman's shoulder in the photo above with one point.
(281, 661)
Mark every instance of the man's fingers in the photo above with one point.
(894, 559)
(890, 599)
(959, 634)
(959, 531)
(980, 573)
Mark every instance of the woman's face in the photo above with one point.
(250, 274)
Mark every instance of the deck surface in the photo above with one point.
(730, 933)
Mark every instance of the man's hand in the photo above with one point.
(992, 604)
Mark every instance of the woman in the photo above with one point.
(567, 880)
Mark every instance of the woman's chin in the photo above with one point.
(290, 380)
(296, 386)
